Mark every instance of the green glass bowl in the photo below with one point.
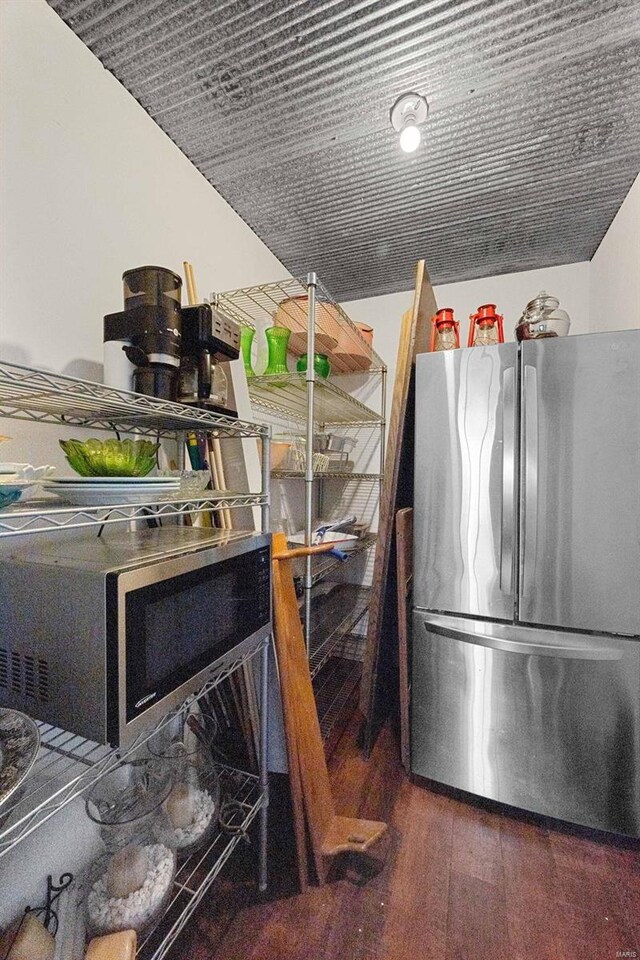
(321, 364)
(110, 458)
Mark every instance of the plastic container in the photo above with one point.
(153, 286)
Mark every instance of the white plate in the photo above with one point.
(123, 485)
(90, 481)
(106, 496)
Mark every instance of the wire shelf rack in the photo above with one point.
(326, 475)
(194, 877)
(36, 395)
(333, 617)
(324, 564)
(334, 686)
(42, 517)
(67, 764)
(286, 395)
(336, 335)
(243, 798)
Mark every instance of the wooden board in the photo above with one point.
(404, 569)
(380, 669)
(330, 834)
(295, 783)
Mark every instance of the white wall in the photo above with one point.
(91, 186)
(511, 292)
(615, 270)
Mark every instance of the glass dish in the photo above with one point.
(110, 458)
(192, 482)
(543, 318)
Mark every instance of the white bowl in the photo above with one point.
(10, 472)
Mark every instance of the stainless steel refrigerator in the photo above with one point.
(525, 646)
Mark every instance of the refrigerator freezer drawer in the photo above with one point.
(512, 719)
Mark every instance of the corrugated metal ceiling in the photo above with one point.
(532, 141)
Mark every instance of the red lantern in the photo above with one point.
(445, 333)
(485, 327)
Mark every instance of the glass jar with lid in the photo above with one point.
(130, 884)
(543, 318)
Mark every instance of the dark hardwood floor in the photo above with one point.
(452, 880)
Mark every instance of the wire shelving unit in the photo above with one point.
(68, 765)
(318, 324)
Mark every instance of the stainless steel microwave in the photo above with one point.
(104, 635)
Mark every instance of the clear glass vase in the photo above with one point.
(131, 883)
(184, 745)
(246, 342)
(277, 343)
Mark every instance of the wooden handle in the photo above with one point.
(306, 551)
(192, 293)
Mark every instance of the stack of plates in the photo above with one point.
(102, 491)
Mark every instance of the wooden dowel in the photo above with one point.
(190, 278)
(217, 454)
(306, 551)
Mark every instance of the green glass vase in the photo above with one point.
(277, 342)
(321, 364)
(246, 341)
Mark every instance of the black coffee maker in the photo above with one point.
(171, 347)
(207, 337)
(150, 327)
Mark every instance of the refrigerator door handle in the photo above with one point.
(508, 474)
(568, 651)
(528, 547)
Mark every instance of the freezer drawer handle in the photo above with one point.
(594, 652)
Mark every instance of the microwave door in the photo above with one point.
(580, 462)
(465, 469)
(179, 622)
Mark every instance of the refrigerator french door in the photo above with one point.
(526, 656)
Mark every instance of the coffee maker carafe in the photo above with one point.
(149, 329)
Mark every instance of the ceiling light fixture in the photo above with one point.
(406, 114)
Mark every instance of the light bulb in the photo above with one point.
(410, 138)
